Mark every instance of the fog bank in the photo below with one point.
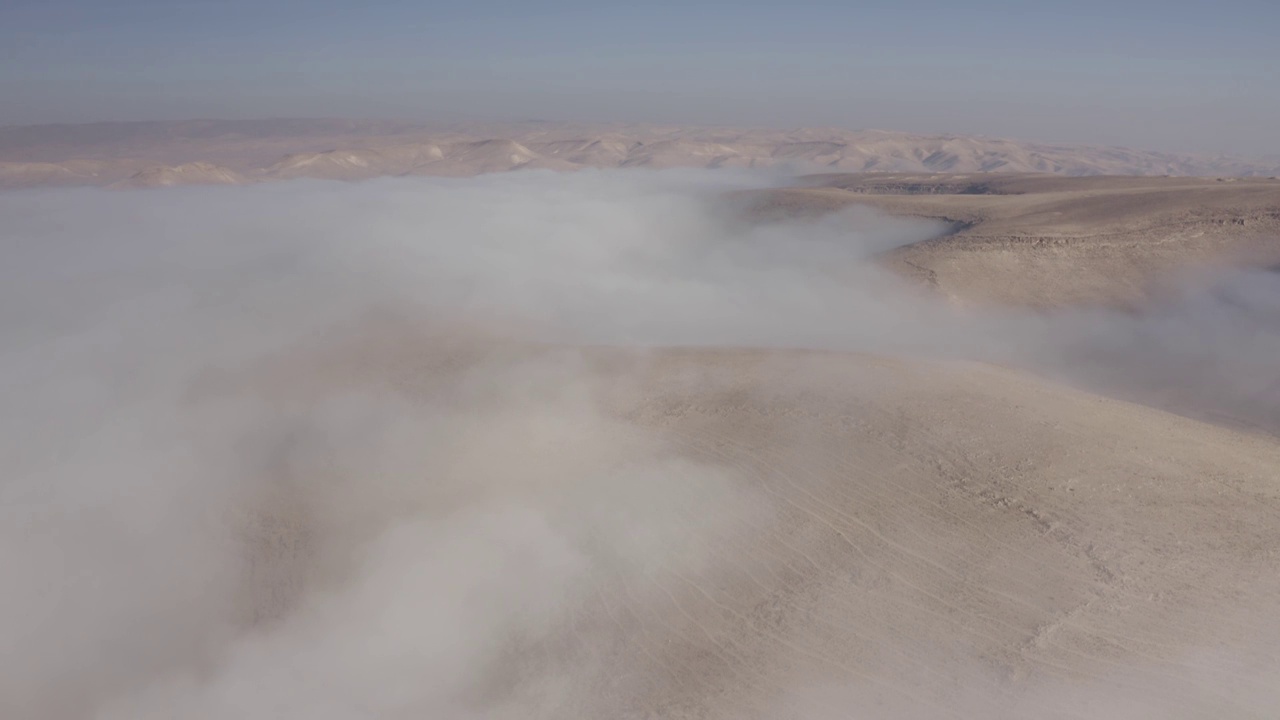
(324, 450)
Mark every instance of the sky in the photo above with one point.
(1177, 75)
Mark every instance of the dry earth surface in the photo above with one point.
(855, 536)
(221, 151)
(842, 535)
(1045, 241)
(914, 538)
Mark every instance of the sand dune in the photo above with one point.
(353, 150)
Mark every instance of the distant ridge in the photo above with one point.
(280, 149)
(196, 173)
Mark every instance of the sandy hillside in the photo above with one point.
(847, 533)
(196, 173)
(1050, 241)
(357, 150)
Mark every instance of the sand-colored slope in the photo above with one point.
(848, 533)
(1043, 240)
(945, 536)
(330, 165)
(196, 173)
(590, 152)
(484, 156)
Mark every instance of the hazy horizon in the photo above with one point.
(462, 125)
(1180, 76)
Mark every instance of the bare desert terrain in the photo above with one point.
(892, 445)
(1038, 240)
(839, 535)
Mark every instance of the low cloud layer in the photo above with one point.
(230, 490)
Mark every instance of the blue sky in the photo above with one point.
(1175, 75)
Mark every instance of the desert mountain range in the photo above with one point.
(153, 154)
